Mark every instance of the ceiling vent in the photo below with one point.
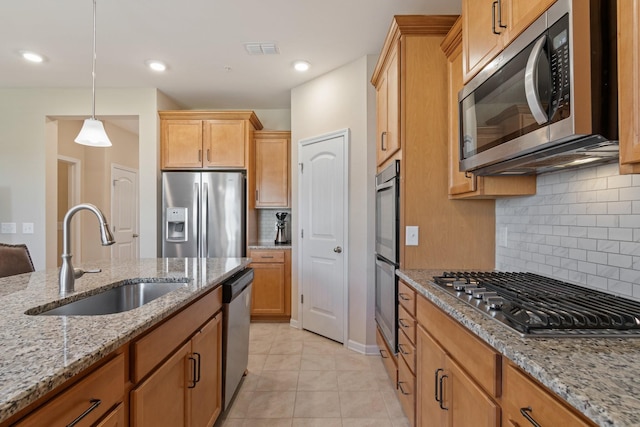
(261, 48)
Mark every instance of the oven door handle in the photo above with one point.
(388, 184)
(531, 82)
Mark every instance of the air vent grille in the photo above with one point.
(261, 48)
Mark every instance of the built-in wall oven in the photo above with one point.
(387, 254)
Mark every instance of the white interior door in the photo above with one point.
(323, 219)
(124, 212)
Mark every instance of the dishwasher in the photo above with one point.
(236, 306)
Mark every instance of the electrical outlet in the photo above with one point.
(27, 228)
(411, 237)
(8, 228)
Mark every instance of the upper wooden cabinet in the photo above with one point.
(629, 85)
(272, 169)
(387, 96)
(206, 139)
(466, 185)
(490, 25)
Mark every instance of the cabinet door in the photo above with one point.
(272, 172)
(224, 143)
(115, 418)
(469, 405)
(160, 399)
(181, 144)
(267, 295)
(388, 110)
(522, 13)
(629, 78)
(205, 400)
(479, 43)
(430, 365)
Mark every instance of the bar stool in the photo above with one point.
(14, 259)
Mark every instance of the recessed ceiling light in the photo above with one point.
(31, 56)
(156, 65)
(301, 66)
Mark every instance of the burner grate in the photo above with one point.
(533, 303)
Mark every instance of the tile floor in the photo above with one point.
(299, 379)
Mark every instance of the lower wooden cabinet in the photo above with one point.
(86, 401)
(271, 290)
(389, 359)
(115, 418)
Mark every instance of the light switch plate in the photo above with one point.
(27, 228)
(411, 237)
(8, 228)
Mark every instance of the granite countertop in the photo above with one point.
(268, 244)
(597, 376)
(40, 353)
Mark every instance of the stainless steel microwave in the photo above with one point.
(549, 100)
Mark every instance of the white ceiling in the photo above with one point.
(198, 39)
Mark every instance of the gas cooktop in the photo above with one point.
(538, 306)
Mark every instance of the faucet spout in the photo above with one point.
(68, 274)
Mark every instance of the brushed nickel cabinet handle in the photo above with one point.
(199, 155)
(402, 389)
(404, 297)
(401, 348)
(500, 15)
(94, 404)
(382, 352)
(382, 138)
(525, 413)
(493, 17)
(402, 323)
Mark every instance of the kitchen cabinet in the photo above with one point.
(389, 358)
(488, 26)
(406, 388)
(526, 402)
(629, 85)
(272, 169)
(271, 290)
(86, 401)
(465, 185)
(414, 41)
(115, 418)
(387, 95)
(206, 139)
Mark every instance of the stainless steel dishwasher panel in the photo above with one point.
(237, 315)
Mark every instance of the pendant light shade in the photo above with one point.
(92, 132)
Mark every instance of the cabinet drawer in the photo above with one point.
(267, 256)
(407, 391)
(476, 356)
(388, 358)
(106, 384)
(407, 297)
(156, 346)
(522, 393)
(407, 324)
(114, 418)
(407, 351)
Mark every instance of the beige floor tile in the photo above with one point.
(317, 404)
(366, 422)
(286, 347)
(271, 404)
(362, 404)
(239, 405)
(392, 403)
(317, 381)
(267, 422)
(321, 347)
(260, 346)
(277, 381)
(280, 362)
(249, 382)
(229, 422)
(357, 381)
(352, 362)
(400, 422)
(317, 422)
(317, 363)
(256, 362)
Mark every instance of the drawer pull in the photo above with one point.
(267, 257)
(382, 352)
(194, 374)
(402, 323)
(198, 370)
(404, 297)
(525, 413)
(442, 395)
(94, 404)
(435, 384)
(402, 389)
(400, 347)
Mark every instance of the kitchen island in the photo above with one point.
(596, 376)
(40, 353)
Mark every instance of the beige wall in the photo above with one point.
(341, 99)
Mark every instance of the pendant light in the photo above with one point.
(92, 132)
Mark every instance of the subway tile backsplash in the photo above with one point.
(267, 223)
(582, 226)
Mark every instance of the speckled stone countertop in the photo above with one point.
(268, 244)
(38, 353)
(597, 376)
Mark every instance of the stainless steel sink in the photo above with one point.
(114, 300)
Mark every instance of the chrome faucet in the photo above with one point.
(68, 274)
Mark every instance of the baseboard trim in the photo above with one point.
(369, 350)
(294, 323)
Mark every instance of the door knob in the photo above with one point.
(337, 249)
(135, 235)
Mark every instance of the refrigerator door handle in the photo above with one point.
(196, 212)
(205, 221)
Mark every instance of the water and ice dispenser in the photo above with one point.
(177, 224)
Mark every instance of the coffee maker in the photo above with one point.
(282, 235)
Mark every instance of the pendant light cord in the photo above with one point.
(93, 70)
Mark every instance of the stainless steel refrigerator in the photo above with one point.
(203, 214)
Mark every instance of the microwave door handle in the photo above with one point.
(531, 81)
